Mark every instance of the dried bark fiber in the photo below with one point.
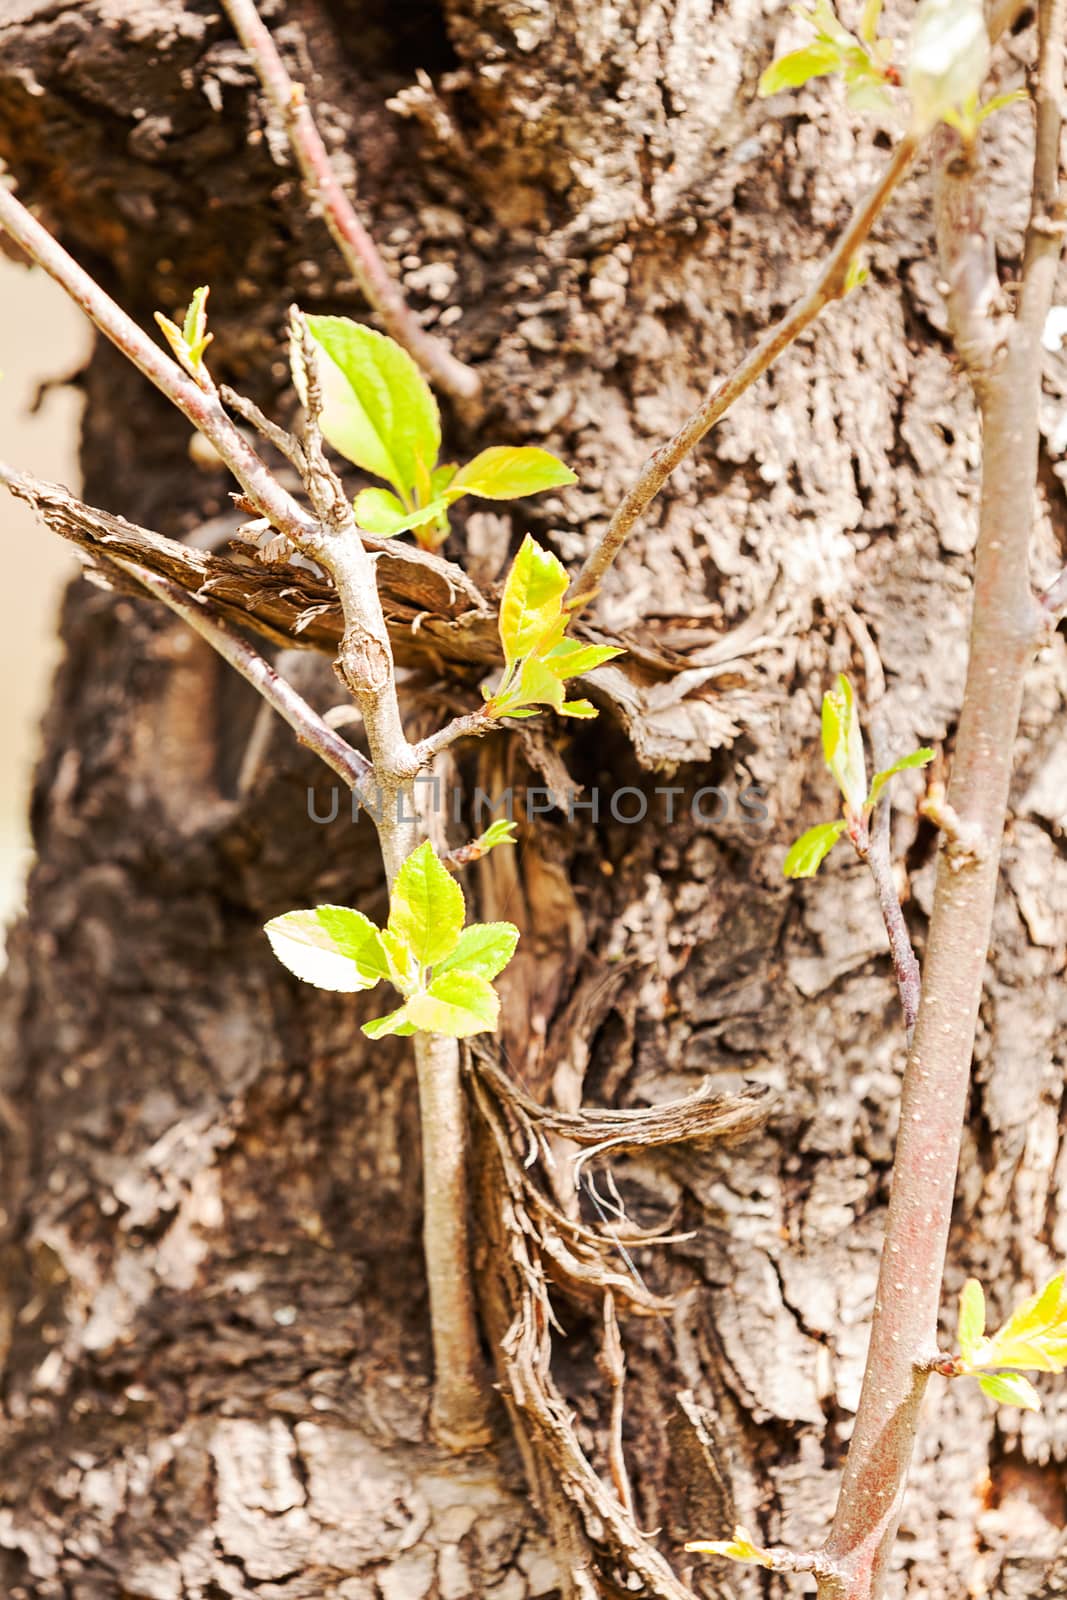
(212, 1312)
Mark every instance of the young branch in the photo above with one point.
(879, 861)
(365, 664)
(828, 286)
(1006, 626)
(350, 765)
(357, 247)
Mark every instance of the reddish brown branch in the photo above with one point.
(360, 252)
(1006, 626)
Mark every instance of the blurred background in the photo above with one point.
(43, 337)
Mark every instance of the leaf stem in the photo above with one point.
(324, 189)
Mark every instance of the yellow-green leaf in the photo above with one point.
(532, 600)
(504, 472)
(917, 758)
(426, 907)
(1010, 1389)
(378, 409)
(457, 1003)
(397, 1022)
(970, 1328)
(379, 511)
(484, 947)
(815, 60)
(740, 1548)
(842, 743)
(1035, 1335)
(332, 947)
(809, 852)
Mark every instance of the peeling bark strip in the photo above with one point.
(212, 1304)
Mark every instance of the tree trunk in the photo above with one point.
(213, 1325)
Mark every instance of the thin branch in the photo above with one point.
(828, 286)
(282, 441)
(365, 663)
(470, 726)
(350, 765)
(1053, 601)
(875, 850)
(357, 247)
(1006, 627)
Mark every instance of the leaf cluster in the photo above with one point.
(843, 751)
(190, 340)
(538, 656)
(1034, 1337)
(862, 59)
(379, 413)
(443, 969)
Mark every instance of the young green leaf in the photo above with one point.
(809, 852)
(842, 744)
(532, 600)
(796, 67)
(1034, 1336)
(190, 340)
(970, 1328)
(426, 907)
(397, 1022)
(380, 512)
(948, 58)
(332, 947)
(1010, 1389)
(484, 948)
(499, 832)
(577, 708)
(917, 758)
(570, 657)
(378, 410)
(506, 472)
(457, 1003)
(740, 1548)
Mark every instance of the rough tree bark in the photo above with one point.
(212, 1304)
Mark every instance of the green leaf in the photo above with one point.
(426, 908)
(532, 600)
(970, 1328)
(397, 1022)
(379, 512)
(869, 19)
(948, 57)
(740, 1548)
(194, 328)
(917, 758)
(499, 832)
(332, 947)
(577, 708)
(1035, 1335)
(378, 410)
(570, 657)
(842, 744)
(797, 67)
(1010, 1389)
(506, 472)
(857, 273)
(458, 1003)
(999, 101)
(484, 948)
(807, 855)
